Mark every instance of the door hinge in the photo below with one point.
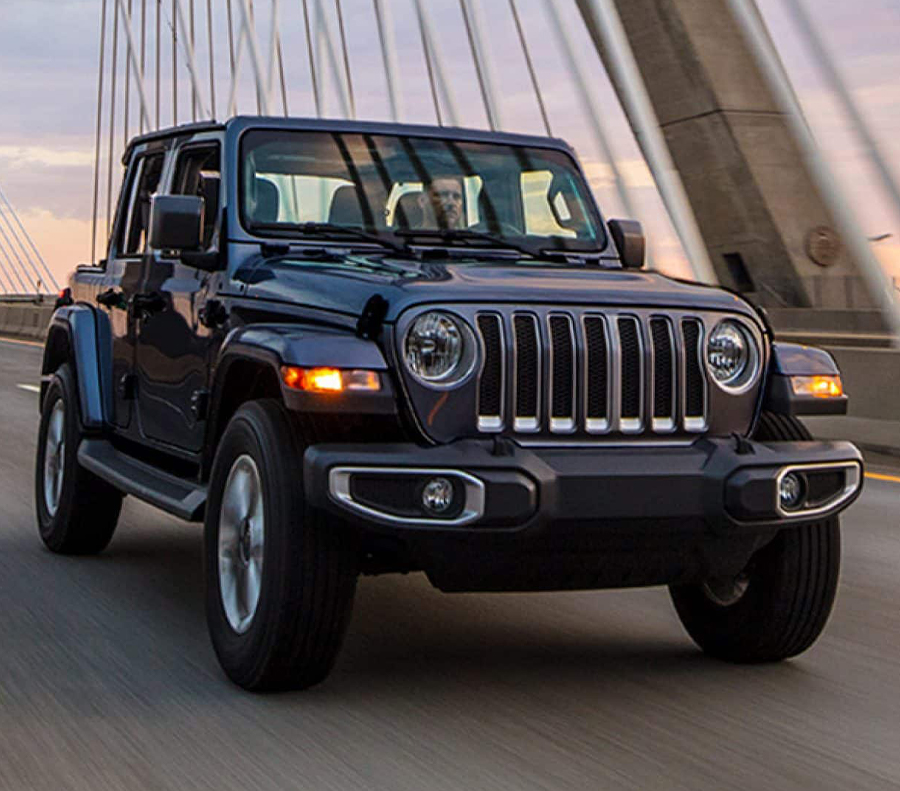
(127, 387)
(200, 404)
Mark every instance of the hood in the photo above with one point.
(344, 286)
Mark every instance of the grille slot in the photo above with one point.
(663, 375)
(694, 384)
(597, 398)
(527, 372)
(631, 380)
(562, 374)
(490, 386)
(549, 371)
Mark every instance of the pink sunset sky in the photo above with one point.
(48, 63)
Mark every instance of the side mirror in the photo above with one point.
(629, 238)
(176, 222)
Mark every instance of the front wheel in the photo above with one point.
(778, 605)
(280, 578)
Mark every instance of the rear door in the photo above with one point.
(124, 276)
(174, 343)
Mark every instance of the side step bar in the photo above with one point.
(179, 497)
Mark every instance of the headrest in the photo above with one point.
(267, 200)
(408, 213)
(346, 207)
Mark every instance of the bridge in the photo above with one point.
(106, 673)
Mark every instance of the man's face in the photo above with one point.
(446, 199)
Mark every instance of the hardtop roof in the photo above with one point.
(243, 122)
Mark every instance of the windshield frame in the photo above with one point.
(601, 246)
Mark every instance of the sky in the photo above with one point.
(49, 52)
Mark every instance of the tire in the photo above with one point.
(285, 631)
(77, 515)
(779, 605)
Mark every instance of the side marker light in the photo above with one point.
(330, 380)
(817, 386)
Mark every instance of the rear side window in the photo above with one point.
(134, 233)
(198, 172)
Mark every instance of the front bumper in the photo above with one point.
(723, 486)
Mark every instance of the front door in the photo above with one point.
(124, 276)
(174, 344)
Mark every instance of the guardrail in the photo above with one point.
(26, 315)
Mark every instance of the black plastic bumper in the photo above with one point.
(719, 485)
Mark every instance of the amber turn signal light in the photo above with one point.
(817, 386)
(330, 380)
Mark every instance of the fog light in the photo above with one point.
(437, 496)
(790, 491)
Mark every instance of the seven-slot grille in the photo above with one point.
(582, 371)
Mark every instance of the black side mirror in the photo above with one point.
(629, 239)
(176, 222)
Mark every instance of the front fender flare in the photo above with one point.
(277, 345)
(86, 334)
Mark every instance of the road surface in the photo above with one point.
(108, 680)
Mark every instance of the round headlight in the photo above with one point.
(731, 355)
(437, 347)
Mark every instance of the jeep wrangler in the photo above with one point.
(353, 347)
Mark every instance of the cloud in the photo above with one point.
(24, 156)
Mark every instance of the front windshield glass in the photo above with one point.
(417, 188)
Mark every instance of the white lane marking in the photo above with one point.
(29, 388)
(19, 342)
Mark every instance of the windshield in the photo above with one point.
(423, 190)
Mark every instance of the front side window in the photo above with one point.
(393, 184)
(197, 172)
(134, 232)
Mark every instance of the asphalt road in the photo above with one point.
(108, 680)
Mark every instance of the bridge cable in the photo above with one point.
(839, 86)
(112, 120)
(143, 55)
(629, 84)
(12, 268)
(437, 73)
(158, 44)
(312, 61)
(589, 102)
(31, 268)
(274, 39)
(193, 43)
(15, 216)
(882, 289)
(388, 55)
(127, 21)
(174, 25)
(10, 248)
(471, 12)
(428, 66)
(284, 99)
(98, 133)
(530, 64)
(212, 59)
(343, 36)
(325, 39)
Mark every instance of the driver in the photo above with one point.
(442, 198)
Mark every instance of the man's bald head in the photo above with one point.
(444, 195)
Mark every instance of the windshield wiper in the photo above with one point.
(328, 229)
(466, 236)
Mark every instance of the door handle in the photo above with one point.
(147, 304)
(112, 299)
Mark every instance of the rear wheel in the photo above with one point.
(778, 605)
(76, 511)
(280, 577)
